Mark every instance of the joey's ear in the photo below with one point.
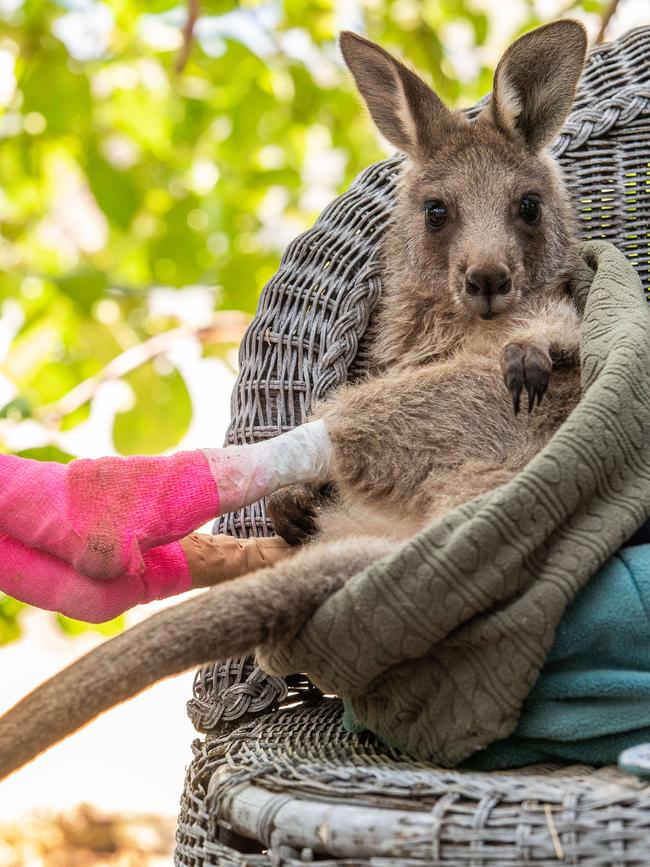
(405, 109)
(535, 82)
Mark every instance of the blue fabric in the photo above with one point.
(592, 699)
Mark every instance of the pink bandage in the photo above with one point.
(100, 516)
(47, 582)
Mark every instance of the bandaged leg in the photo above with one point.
(47, 582)
(101, 516)
(245, 474)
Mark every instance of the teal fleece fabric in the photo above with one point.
(592, 699)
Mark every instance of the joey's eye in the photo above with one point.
(530, 210)
(435, 214)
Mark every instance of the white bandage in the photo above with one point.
(244, 474)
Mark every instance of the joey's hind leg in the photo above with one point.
(294, 510)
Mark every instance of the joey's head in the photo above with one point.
(482, 218)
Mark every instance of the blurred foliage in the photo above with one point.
(120, 174)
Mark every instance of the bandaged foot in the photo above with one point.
(101, 516)
(214, 559)
(43, 580)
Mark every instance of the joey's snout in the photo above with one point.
(488, 281)
(487, 289)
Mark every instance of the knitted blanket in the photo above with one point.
(436, 647)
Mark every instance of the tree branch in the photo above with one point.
(608, 14)
(226, 327)
(193, 12)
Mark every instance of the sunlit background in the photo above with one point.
(155, 159)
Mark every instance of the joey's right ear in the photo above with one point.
(535, 82)
(405, 109)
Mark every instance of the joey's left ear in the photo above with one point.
(405, 109)
(535, 82)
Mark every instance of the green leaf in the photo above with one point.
(54, 88)
(220, 7)
(79, 416)
(160, 417)
(77, 627)
(480, 22)
(85, 285)
(19, 406)
(115, 190)
(9, 618)
(154, 7)
(47, 453)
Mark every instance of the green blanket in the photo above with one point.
(592, 699)
(436, 647)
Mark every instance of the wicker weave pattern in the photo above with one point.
(306, 334)
(255, 781)
(309, 336)
(232, 691)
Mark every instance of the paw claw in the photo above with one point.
(525, 366)
(293, 511)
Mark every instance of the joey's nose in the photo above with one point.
(488, 281)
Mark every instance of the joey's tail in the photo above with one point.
(230, 620)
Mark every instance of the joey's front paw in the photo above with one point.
(525, 365)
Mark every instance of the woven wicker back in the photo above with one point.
(308, 334)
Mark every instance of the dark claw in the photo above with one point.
(536, 392)
(513, 374)
(525, 366)
(536, 383)
(293, 511)
(531, 399)
(296, 528)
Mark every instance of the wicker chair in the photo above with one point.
(278, 780)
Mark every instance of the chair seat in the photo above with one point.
(294, 786)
